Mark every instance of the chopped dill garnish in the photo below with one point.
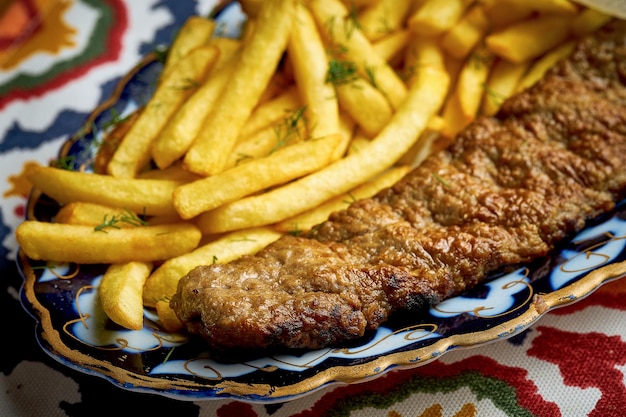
(493, 95)
(351, 199)
(371, 74)
(296, 231)
(341, 72)
(289, 128)
(115, 119)
(441, 180)
(127, 217)
(67, 162)
(160, 53)
(214, 259)
(352, 22)
(242, 157)
(112, 223)
(188, 84)
(167, 357)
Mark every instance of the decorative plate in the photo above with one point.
(73, 329)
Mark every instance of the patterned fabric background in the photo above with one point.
(58, 60)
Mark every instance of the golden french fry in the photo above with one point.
(112, 138)
(465, 35)
(530, 38)
(347, 128)
(588, 21)
(168, 318)
(340, 30)
(309, 219)
(392, 45)
(133, 153)
(179, 132)
(502, 14)
(546, 6)
(106, 244)
(453, 116)
(271, 112)
(471, 81)
(144, 196)
(258, 145)
(542, 65)
(502, 83)
(91, 214)
(383, 18)
(358, 143)
(308, 60)
(462, 107)
(374, 116)
(195, 32)
(251, 7)
(422, 53)
(161, 284)
(209, 151)
(121, 291)
(429, 142)
(434, 17)
(287, 163)
(359, 4)
(174, 172)
(424, 99)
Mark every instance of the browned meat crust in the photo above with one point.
(507, 190)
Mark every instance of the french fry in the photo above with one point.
(371, 118)
(502, 14)
(539, 68)
(161, 284)
(471, 81)
(383, 17)
(88, 245)
(271, 112)
(422, 53)
(133, 153)
(462, 107)
(168, 318)
(409, 121)
(347, 128)
(209, 151)
(308, 59)
(588, 21)
(547, 6)
(174, 172)
(178, 134)
(358, 143)
(285, 164)
(392, 45)
(90, 214)
(145, 196)
(340, 30)
(503, 80)
(309, 219)
(195, 32)
(121, 291)
(465, 35)
(530, 38)
(359, 4)
(434, 17)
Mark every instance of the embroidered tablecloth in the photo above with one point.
(58, 60)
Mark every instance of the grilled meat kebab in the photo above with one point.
(508, 190)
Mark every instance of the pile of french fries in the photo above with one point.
(318, 103)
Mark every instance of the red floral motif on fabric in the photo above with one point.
(569, 352)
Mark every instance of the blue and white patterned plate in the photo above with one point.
(73, 329)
